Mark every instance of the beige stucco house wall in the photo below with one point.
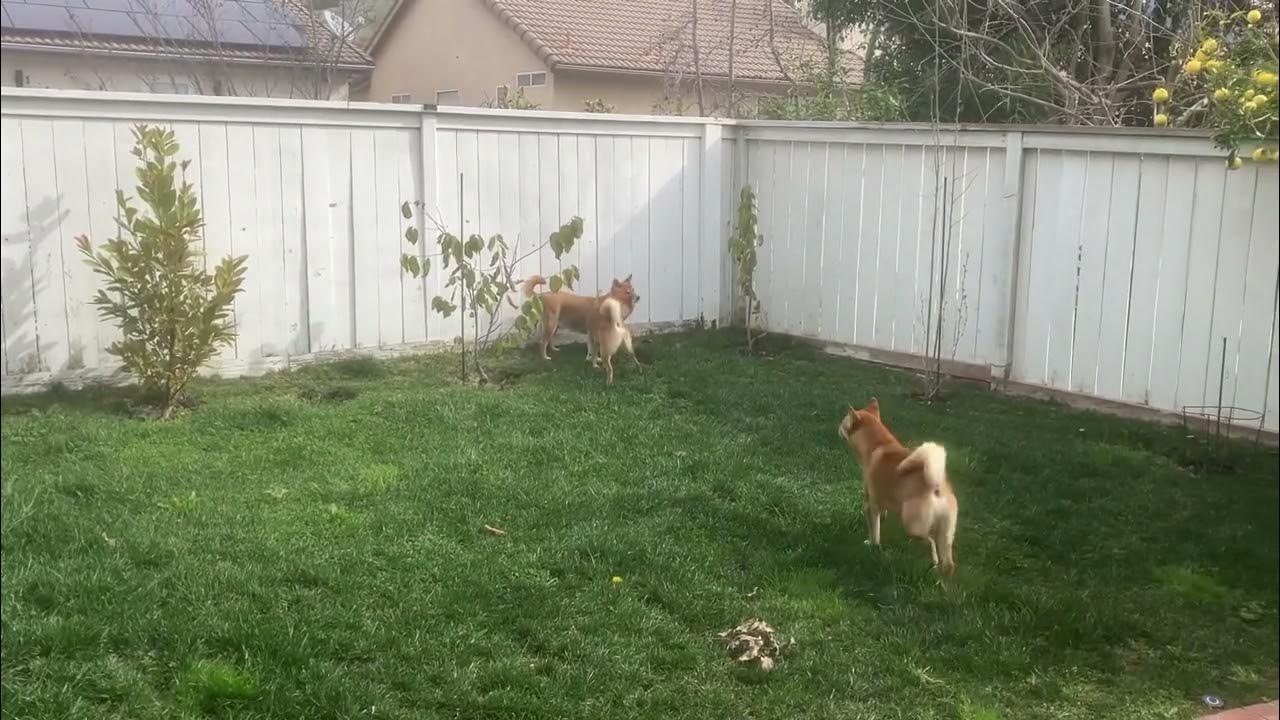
(421, 55)
(82, 71)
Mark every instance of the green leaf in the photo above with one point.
(406, 210)
(556, 283)
(409, 263)
(411, 234)
(443, 306)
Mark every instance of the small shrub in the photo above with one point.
(173, 314)
(511, 101)
(597, 105)
(482, 276)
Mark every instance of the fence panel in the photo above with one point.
(1111, 264)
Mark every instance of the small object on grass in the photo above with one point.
(756, 644)
(1212, 701)
(1251, 611)
(616, 580)
(755, 592)
(495, 531)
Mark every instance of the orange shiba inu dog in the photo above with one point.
(607, 332)
(910, 483)
(577, 311)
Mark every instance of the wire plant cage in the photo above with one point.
(1219, 421)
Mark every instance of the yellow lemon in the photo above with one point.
(1161, 119)
(1254, 17)
(1234, 163)
(1210, 45)
(1249, 107)
(1221, 94)
(1160, 95)
(1273, 80)
(1259, 155)
(1213, 66)
(1201, 56)
(1248, 94)
(1192, 67)
(1259, 100)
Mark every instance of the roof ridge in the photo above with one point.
(535, 43)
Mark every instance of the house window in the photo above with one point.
(402, 98)
(531, 79)
(448, 97)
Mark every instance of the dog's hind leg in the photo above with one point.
(549, 323)
(873, 522)
(626, 342)
(941, 538)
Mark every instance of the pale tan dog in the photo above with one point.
(912, 484)
(577, 311)
(607, 332)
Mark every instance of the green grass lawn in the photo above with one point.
(311, 545)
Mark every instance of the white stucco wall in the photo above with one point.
(83, 71)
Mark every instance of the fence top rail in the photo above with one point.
(35, 100)
(948, 128)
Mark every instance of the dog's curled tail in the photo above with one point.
(612, 311)
(532, 284)
(930, 460)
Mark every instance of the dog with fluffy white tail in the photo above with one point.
(912, 484)
(606, 331)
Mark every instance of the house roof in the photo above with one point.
(657, 35)
(316, 42)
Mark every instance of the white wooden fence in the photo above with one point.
(1108, 264)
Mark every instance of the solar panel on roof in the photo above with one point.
(169, 27)
(281, 35)
(106, 22)
(233, 22)
(45, 18)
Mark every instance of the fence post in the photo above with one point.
(712, 247)
(427, 185)
(1011, 209)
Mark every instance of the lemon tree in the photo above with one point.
(1228, 82)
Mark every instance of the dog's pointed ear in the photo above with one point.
(627, 279)
(616, 284)
(873, 407)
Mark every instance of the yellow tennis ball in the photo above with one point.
(1160, 95)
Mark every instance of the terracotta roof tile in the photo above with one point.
(656, 35)
(324, 45)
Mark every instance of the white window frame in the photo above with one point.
(402, 98)
(456, 100)
(531, 76)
